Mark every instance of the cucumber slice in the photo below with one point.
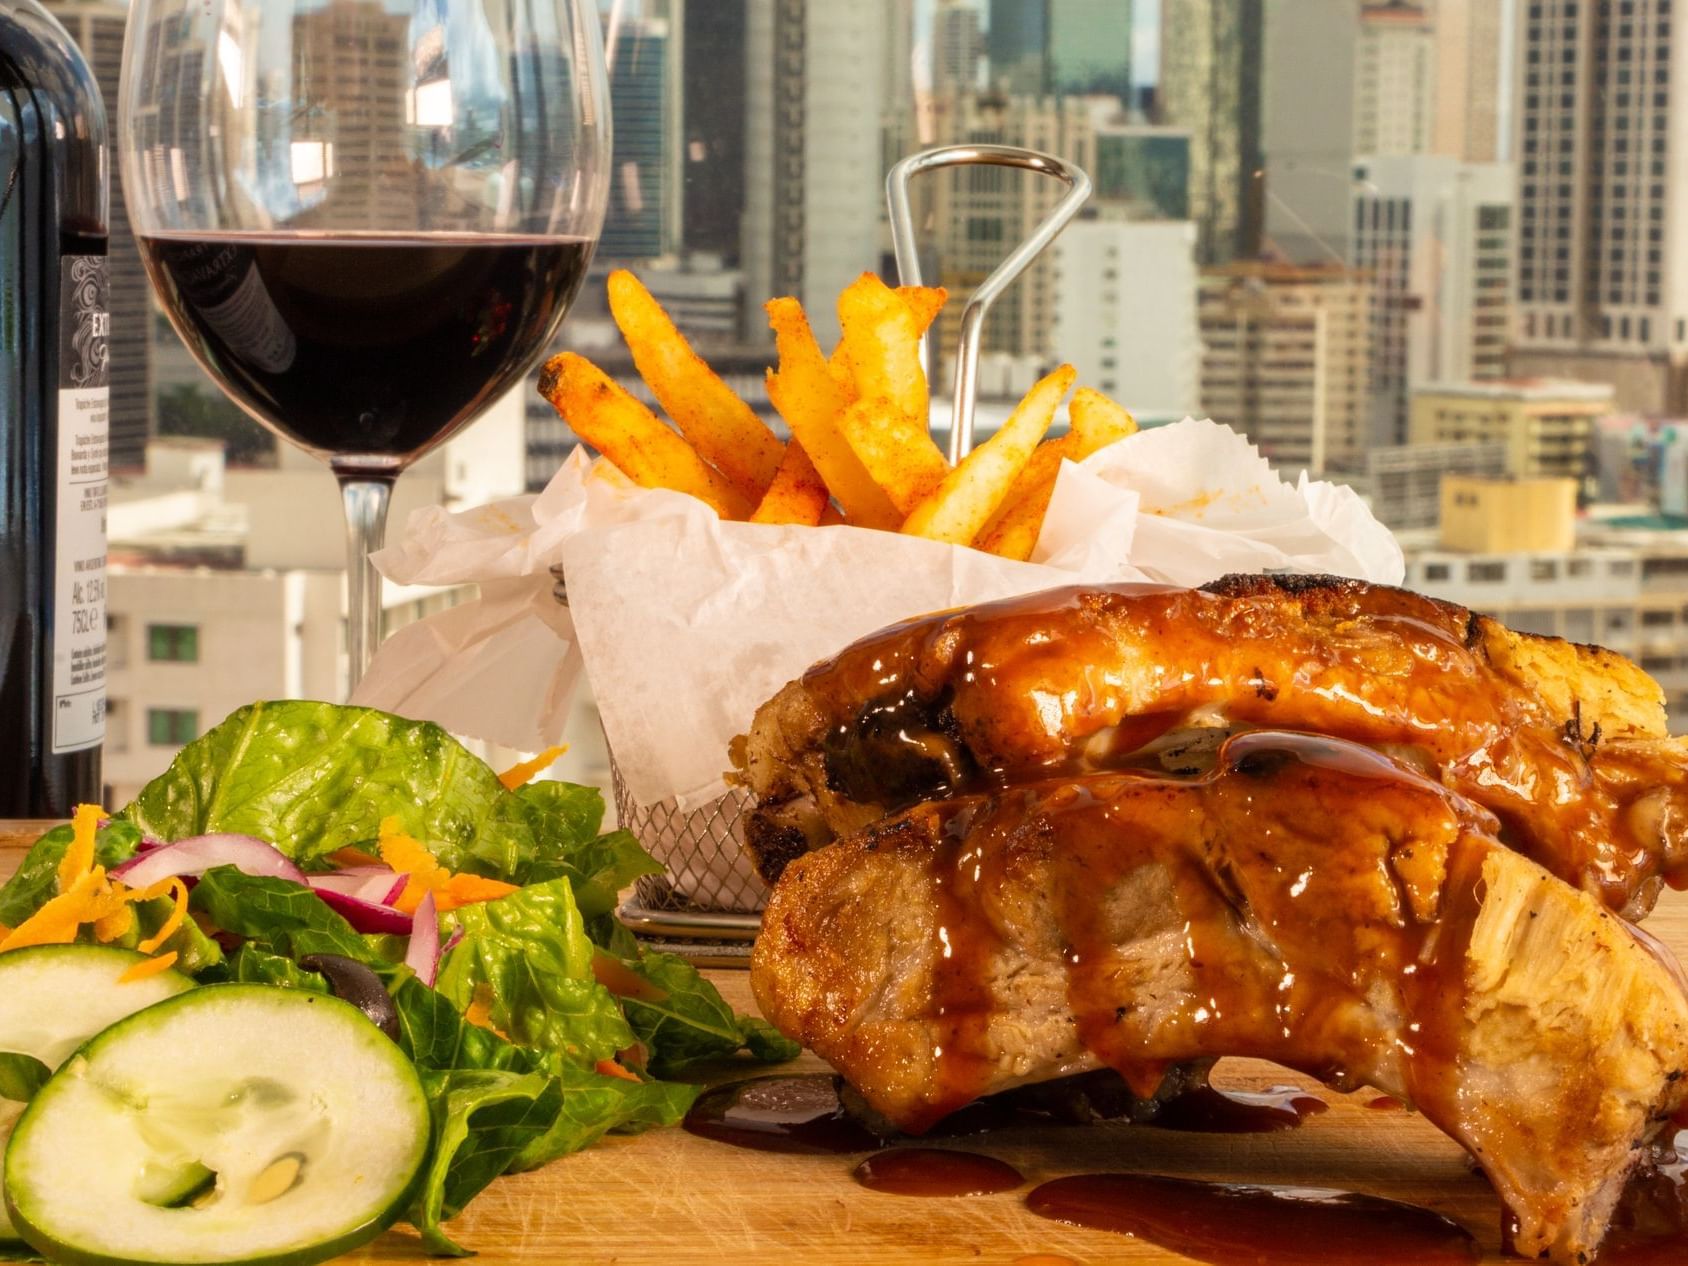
(311, 1119)
(59, 996)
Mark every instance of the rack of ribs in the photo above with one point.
(1304, 899)
(1565, 745)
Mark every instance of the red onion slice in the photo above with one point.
(423, 957)
(199, 853)
(365, 916)
(379, 887)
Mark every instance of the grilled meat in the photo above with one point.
(1308, 901)
(1565, 744)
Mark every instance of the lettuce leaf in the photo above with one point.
(315, 777)
(37, 878)
(531, 951)
(684, 1019)
(280, 915)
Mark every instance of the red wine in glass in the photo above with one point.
(380, 346)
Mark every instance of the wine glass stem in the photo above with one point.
(366, 527)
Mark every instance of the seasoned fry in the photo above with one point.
(974, 490)
(898, 451)
(881, 346)
(723, 429)
(797, 495)
(1012, 530)
(633, 438)
(811, 400)
(832, 516)
(1097, 421)
(925, 302)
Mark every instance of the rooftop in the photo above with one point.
(1521, 389)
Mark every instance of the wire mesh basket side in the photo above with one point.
(708, 872)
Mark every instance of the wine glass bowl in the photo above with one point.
(365, 218)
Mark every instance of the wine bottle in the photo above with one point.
(54, 327)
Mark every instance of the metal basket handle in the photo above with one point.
(979, 302)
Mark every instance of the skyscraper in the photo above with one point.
(1433, 234)
(1468, 79)
(1284, 359)
(1210, 55)
(958, 48)
(713, 189)
(812, 153)
(1602, 289)
(639, 222)
(97, 27)
(1307, 131)
(1045, 47)
(1394, 80)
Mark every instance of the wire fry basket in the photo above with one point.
(710, 897)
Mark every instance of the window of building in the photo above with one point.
(1436, 571)
(172, 727)
(173, 643)
(1544, 569)
(1655, 619)
(1485, 573)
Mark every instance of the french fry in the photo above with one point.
(1012, 530)
(972, 492)
(797, 495)
(898, 451)
(723, 429)
(832, 516)
(925, 302)
(811, 400)
(1097, 421)
(881, 346)
(634, 439)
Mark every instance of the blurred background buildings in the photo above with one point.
(1436, 249)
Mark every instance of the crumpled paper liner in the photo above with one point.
(684, 624)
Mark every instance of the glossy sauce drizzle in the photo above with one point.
(932, 1171)
(1209, 1110)
(1226, 1224)
(780, 1114)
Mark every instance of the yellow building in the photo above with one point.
(1545, 423)
(1508, 516)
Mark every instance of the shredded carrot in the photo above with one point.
(353, 857)
(479, 1010)
(89, 899)
(115, 925)
(168, 928)
(519, 774)
(78, 859)
(425, 874)
(609, 1068)
(148, 967)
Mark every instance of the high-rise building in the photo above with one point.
(1308, 101)
(1142, 171)
(1469, 49)
(1285, 353)
(1547, 424)
(958, 48)
(1394, 80)
(97, 27)
(812, 153)
(1210, 53)
(981, 213)
(713, 158)
(1602, 110)
(1048, 47)
(1433, 234)
(642, 217)
(1146, 355)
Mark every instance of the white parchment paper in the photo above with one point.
(684, 624)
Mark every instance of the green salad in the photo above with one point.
(294, 846)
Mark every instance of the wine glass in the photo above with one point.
(366, 218)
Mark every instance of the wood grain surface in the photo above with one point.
(668, 1197)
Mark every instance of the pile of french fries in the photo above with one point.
(861, 450)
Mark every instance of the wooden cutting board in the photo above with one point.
(668, 1197)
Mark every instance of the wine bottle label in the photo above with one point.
(79, 623)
